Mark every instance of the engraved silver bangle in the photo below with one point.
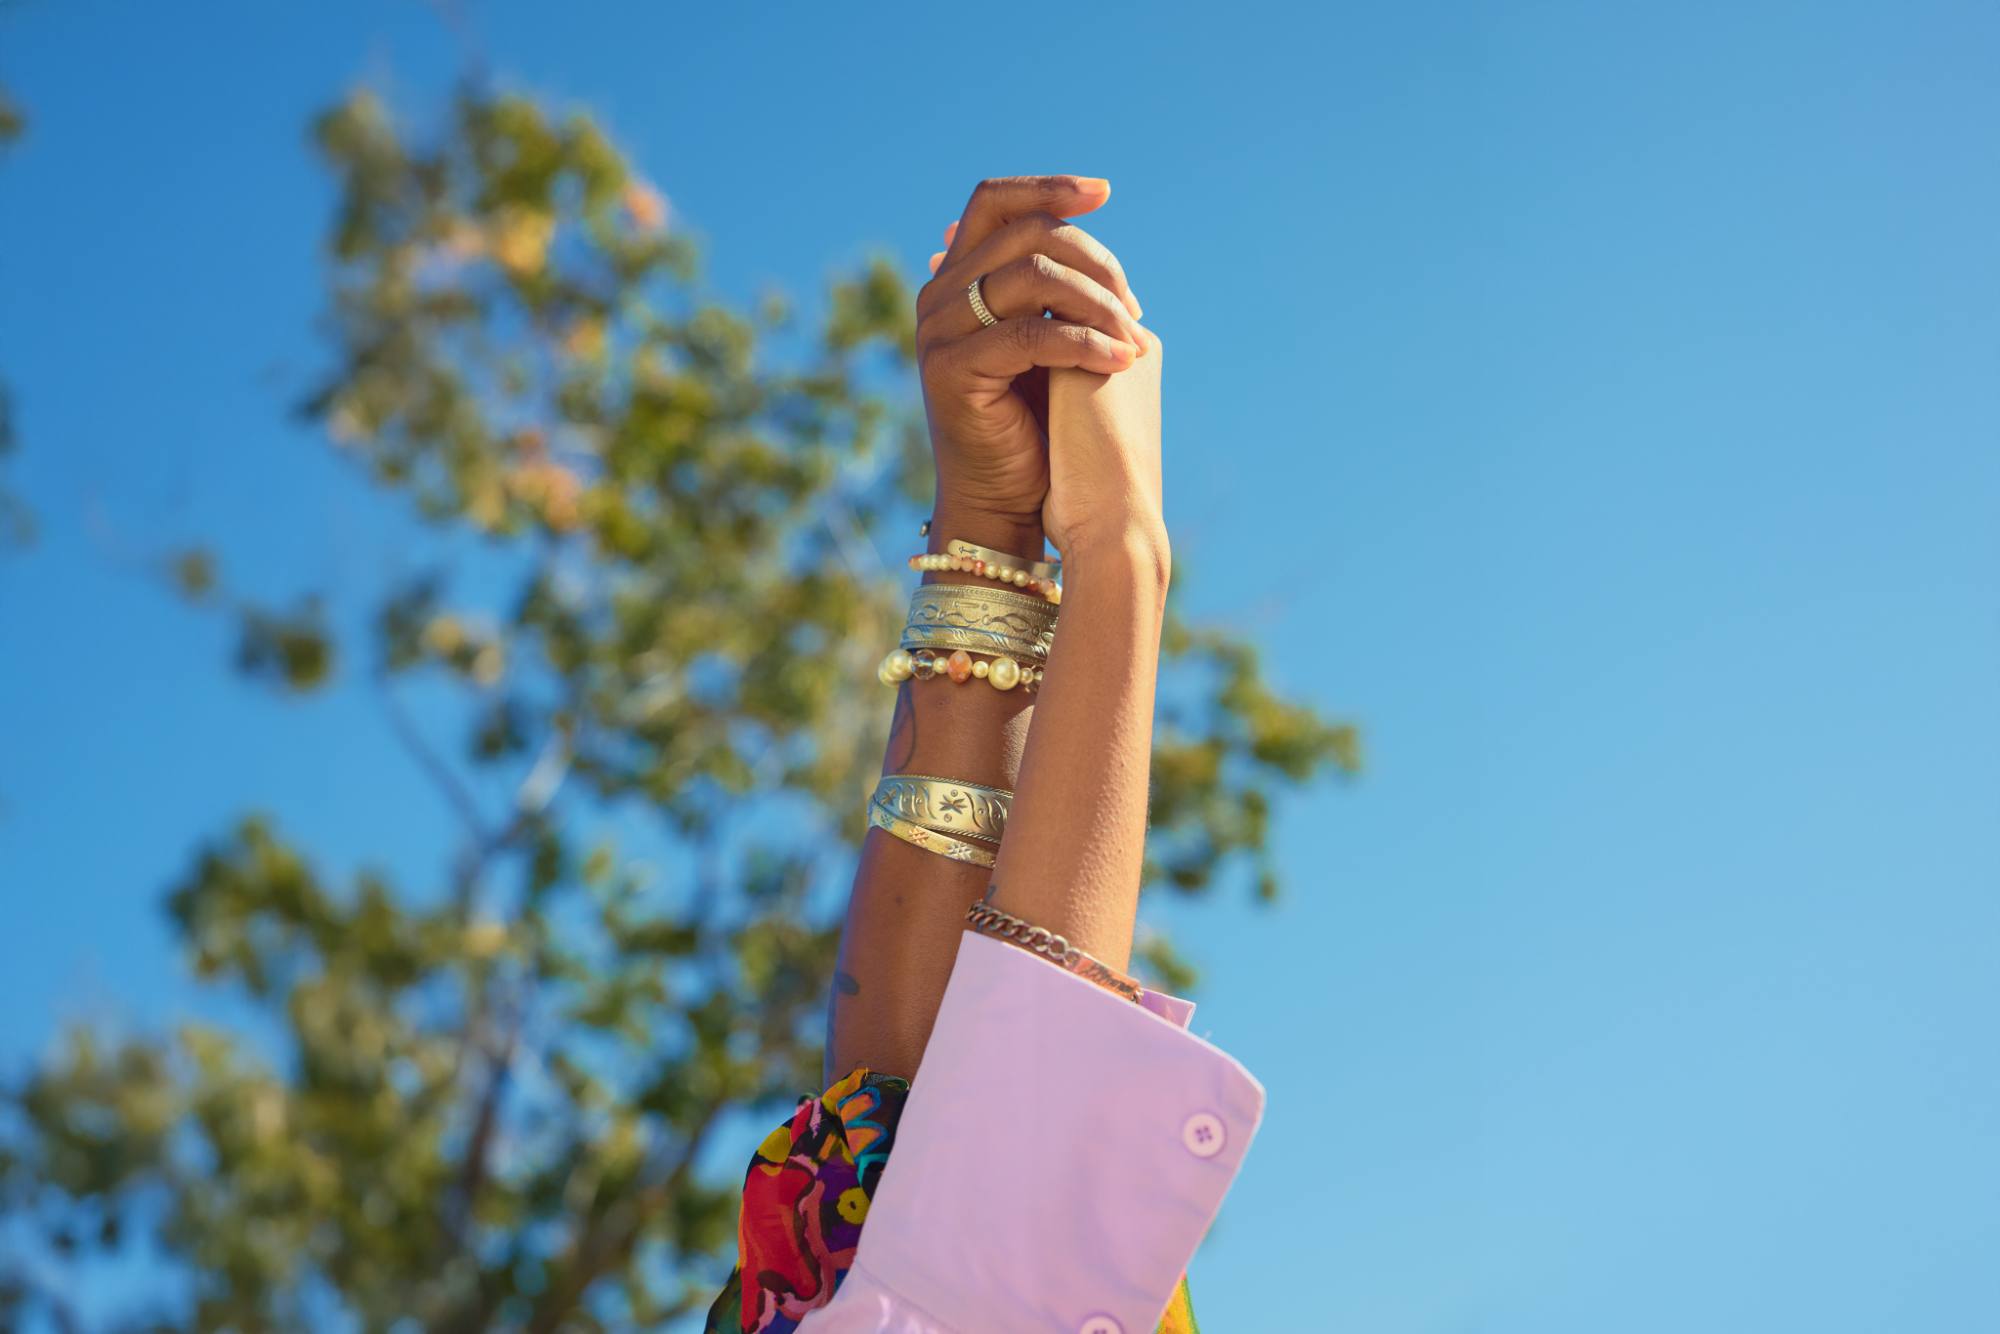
(990, 620)
(944, 845)
(967, 810)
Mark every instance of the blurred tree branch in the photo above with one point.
(17, 522)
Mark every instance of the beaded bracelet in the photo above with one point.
(1047, 587)
(1037, 569)
(984, 917)
(1002, 673)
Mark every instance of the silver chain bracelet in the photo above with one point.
(985, 918)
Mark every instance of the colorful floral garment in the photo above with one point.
(805, 1198)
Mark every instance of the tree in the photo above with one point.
(490, 1095)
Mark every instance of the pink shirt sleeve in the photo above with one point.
(1061, 1155)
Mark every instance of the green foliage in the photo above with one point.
(1216, 762)
(17, 522)
(13, 122)
(656, 596)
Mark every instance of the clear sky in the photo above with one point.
(1598, 401)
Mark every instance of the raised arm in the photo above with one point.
(986, 391)
(1000, 832)
(1071, 861)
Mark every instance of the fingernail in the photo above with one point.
(936, 260)
(1138, 311)
(1093, 185)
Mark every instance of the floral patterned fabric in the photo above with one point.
(805, 1198)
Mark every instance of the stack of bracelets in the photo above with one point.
(1011, 634)
(949, 623)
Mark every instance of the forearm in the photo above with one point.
(1076, 839)
(908, 906)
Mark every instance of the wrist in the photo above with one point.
(1136, 551)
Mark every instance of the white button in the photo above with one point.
(1100, 1324)
(1203, 1135)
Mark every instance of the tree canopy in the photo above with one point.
(667, 551)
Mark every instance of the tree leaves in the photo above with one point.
(17, 521)
(656, 597)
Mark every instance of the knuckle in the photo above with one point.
(1082, 242)
(1029, 228)
(1042, 268)
(930, 304)
(1025, 335)
(934, 362)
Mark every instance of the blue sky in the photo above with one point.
(1597, 401)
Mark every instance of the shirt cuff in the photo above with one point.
(1061, 1155)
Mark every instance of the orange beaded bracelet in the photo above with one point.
(1002, 672)
(1016, 575)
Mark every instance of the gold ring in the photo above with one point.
(986, 317)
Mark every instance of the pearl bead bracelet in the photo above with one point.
(1002, 673)
(1048, 588)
